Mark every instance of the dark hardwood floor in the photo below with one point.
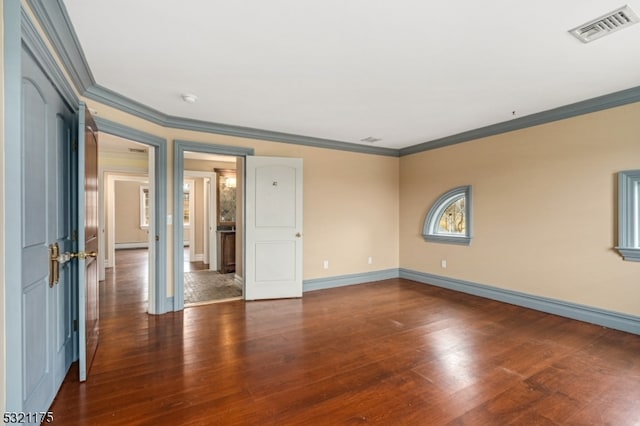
(189, 266)
(393, 352)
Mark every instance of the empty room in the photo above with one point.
(320, 213)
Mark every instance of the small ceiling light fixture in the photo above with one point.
(189, 98)
(370, 139)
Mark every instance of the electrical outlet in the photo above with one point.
(325, 264)
(443, 264)
(370, 260)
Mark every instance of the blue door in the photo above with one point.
(46, 292)
(87, 213)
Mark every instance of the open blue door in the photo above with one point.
(45, 346)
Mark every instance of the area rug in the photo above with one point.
(206, 286)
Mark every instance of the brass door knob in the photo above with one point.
(84, 254)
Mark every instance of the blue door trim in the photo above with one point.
(12, 387)
(160, 144)
(179, 148)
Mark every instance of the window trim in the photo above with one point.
(144, 224)
(629, 215)
(429, 232)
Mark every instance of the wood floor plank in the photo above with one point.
(392, 352)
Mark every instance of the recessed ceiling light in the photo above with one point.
(370, 139)
(189, 98)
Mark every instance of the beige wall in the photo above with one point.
(544, 209)
(207, 166)
(350, 199)
(127, 213)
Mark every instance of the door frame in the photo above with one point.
(192, 229)
(110, 178)
(18, 30)
(209, 205)
(158, 303)
(179, 148)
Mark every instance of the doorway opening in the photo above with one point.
(136, 159)
(214, 247)
(211, 273)
(127, 201)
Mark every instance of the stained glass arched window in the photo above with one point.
(449, 219)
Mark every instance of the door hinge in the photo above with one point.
(74, 146)
(74, 235)
(75, 325)
(157, 237)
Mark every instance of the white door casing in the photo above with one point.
(273, 228)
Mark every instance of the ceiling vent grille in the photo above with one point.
(607, 24)
(137, 150)
(370, 139)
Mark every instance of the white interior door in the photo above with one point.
(273, 228)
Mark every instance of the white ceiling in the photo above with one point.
(405, 71)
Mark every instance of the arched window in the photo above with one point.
(449, 219)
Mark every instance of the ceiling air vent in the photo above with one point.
(370, 139)
(607, 24)
(137, 150)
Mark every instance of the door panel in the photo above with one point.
(87, 187)
(274, 261)
(273, 228)
(275, 197)
(34, 156)
(34, 308)
(46, 306)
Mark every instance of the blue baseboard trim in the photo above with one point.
(351, 279)
(169, 305)
(610, 319)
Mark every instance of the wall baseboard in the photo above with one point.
(602, 317)
(118, 246)
(350, 279)
(169, 305)
(239, 281)
(605, 318)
